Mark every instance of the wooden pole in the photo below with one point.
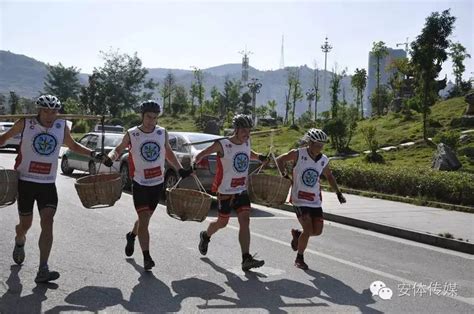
(258, 133)
(60, 116)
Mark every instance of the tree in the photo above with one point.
(168, 89)
(245, 100)
(296, 93)
(14, 102)
(193, 92)
(335, 89)
(288, 93)
(316, 90)
(359, 82)
(117, 85)
(199, 79)
(261, 111)
(379, 50)
(272, 104)
(3, 104)
(231, 96)
(428, 53)
(180, 101)
(72, 106)
(458, 54)
(62, 82)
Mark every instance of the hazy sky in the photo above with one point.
(181, 34)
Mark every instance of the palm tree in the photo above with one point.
(379, 50)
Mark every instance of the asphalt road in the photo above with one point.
(88, 251)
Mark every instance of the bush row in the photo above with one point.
(448, 187)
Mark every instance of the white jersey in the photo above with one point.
(147, 156)
(37, 160)
(306, 189)
(232, 168)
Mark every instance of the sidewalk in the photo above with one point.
(417, 223)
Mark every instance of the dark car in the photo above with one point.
(179, 142)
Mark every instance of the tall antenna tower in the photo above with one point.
(282, 54)
(245, 65)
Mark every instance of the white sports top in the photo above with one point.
(232, 168)
(147, 156)
(37, 160)
(306, 189)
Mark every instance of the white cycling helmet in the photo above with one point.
(48, 102)
(316, 135)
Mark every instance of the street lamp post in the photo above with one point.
(254, 87)
(325, 48)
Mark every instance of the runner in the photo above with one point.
(309, 164)
(230, 184)
(148, 148)
(37, 164)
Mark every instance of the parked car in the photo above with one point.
(185, 153)
(13, 142)
(71, 161)
(109, 128)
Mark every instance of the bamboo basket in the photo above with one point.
(8, 187)
(188, 205)
(99, 190)
(268, 190)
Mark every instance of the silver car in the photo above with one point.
(13, 142)
(180, 144)
(71, 161)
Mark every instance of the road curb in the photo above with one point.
(425, 238)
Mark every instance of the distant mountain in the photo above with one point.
(25, 76)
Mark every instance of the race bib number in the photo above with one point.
(306, 196)
(152, 172)
(237, 182)
(39, 167)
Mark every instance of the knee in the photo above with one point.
(47, 221)
(317, 232)
(25, 224)
(222, 221)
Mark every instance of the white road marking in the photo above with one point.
(469, 301)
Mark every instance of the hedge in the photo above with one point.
(448, 187)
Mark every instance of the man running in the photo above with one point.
(230, 183)
(37, 164)
(309, 164)
(148, 148)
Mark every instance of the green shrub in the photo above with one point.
(447, 187)
(131, 120)
(450, 138)
(81, 126)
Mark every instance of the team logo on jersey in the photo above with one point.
(150, 151)
(159, 132)
(241, 162)
(58, 125)
(44, 144)
(310, 177)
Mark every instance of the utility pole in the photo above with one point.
(406, 44)
(245, 65)
(325, 48)
(254, 87)
(316, 90)
(282, 53)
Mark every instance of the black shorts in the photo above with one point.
(45, 195)
(313, 212)
(238, 202)
(146, 197)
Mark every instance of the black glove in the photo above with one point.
(341, 197)
(102, 157)
(183, 173)
(263, 158)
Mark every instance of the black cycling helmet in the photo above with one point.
(150, 106)
(48, 102)
(242, 121)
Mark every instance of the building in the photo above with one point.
(384, 74)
